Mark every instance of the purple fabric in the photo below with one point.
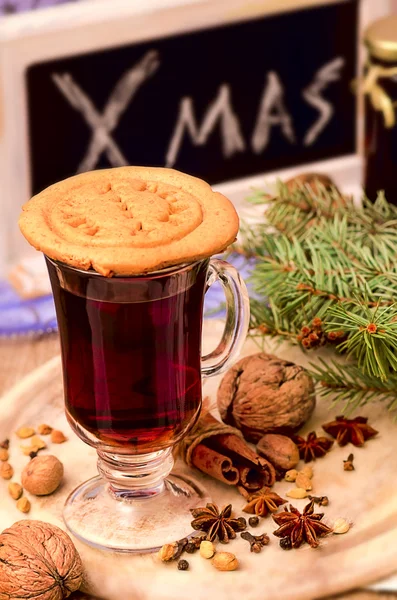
(214, 304)
(37, 316)
(9, 7)
(24, 317)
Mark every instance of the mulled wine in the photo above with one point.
(131, 351)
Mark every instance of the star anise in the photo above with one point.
(216, 522)
(301, 528)
(356, 431)
(313, 447)
(263, 502)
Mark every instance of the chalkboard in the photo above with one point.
(220, 103)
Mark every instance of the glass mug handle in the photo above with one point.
(237, 317)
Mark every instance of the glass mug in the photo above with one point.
(132, 369)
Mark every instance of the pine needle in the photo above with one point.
(320, 256)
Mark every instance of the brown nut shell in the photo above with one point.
(280, 450)
(42, 475)
(265, 394)
(44, 429)
(6, 470)
(313, 180)
(225, 561)
(15, 490)
(23, 505)
(58, 437)
(25, 432)
(38, 560)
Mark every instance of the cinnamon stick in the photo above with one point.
(214, 464)
(220, 451)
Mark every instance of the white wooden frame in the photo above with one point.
(66, 30)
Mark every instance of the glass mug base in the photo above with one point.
(132, 368)
(92, 514)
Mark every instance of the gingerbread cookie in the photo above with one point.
(129, 220)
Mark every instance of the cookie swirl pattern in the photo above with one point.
(129, 220)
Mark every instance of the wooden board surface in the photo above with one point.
(368, 552)
(22, 355)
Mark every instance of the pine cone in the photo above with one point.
(312, 336)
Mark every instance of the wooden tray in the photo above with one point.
(366, 496)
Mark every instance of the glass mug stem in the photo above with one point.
(143, 475)
(140, 476)
(132, 367)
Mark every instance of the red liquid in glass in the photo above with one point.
(131, 369)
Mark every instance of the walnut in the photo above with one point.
(265, 394)
(38, 560)
(280, 450)
(311, 180)
(42, 475)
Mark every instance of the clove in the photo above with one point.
(5, 444)
(256, 541)
(348, 464)
(320, 500)
(197, 539)
(181, 545)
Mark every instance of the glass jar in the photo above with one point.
(380, 90)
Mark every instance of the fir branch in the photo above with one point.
(348, 385)
(294, 212)
(266, 321)
(330, 262)
(372, 338)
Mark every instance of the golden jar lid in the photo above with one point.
(381, 38)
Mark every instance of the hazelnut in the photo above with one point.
(25, 432)
(36, 444)
(6, 470)
(23, 505)
(303, 482)
(341, 526)
(297, 493)
(166, 552)
(280, 450)
(291, 475)
(42, 475)
(57, 437)
(308, 471)
(15, 490)
(4, 456)
(207, 549)
(225, 561)
(44, 429)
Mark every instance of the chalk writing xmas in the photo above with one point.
(272, 112)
